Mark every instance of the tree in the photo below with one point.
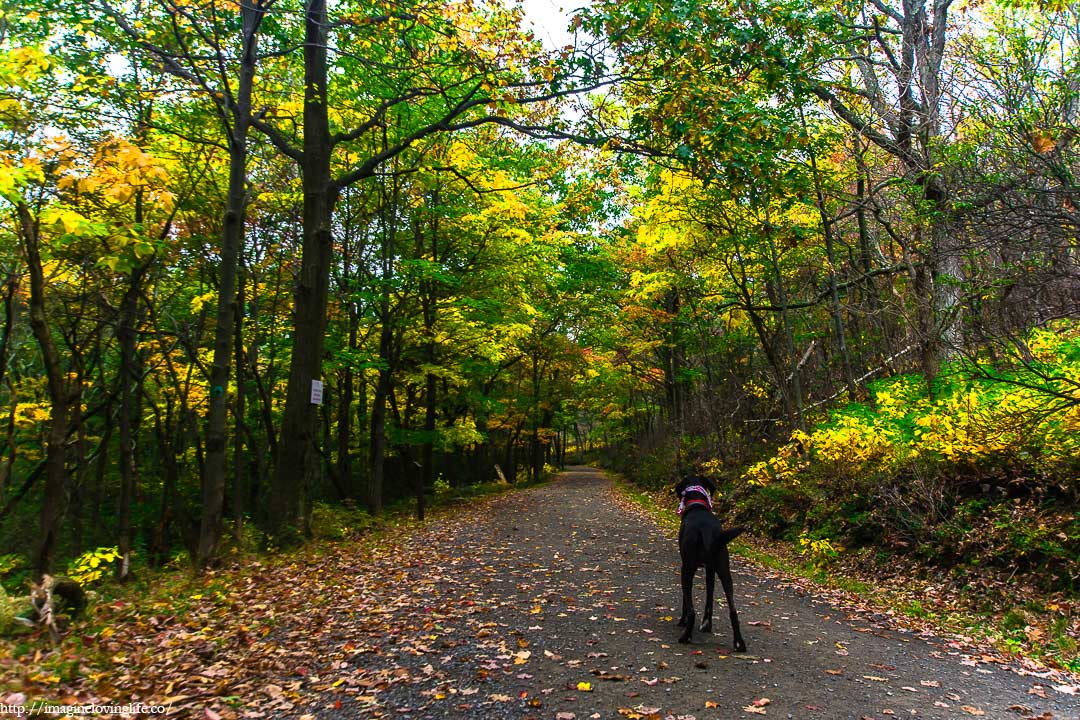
(456, 71)
(205, 61)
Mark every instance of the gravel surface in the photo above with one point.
(559, 602)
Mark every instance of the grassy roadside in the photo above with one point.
(1040, 630)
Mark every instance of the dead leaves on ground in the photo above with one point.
(757, 707)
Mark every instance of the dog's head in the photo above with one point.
(689, 480)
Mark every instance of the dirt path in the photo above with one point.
(509, 612)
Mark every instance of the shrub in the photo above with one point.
(92, 565)
(337, 522)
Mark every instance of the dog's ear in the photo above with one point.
(707, 484)
(680, 486)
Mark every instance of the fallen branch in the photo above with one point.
(859, 380)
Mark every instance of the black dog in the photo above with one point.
(703, 542)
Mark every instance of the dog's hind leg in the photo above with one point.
(688, 614)
(724, 570)
(687, 605)
(710, 587)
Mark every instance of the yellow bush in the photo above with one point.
(1032, 413)
(785, 466)
(820, 550)
(852, 441)
(92, 565)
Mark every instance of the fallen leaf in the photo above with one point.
(584, 687)
(605, 675)
(971, 710)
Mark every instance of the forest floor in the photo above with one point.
(555, 602)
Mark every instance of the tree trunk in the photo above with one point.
(239, 462)
(789, 336)
(130, 378)
(232, 238)
(344, 416)
(428, 301)
(378, 438)
(830, 254)
(298, 462)
(60, 395)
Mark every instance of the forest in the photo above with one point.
(274, 268)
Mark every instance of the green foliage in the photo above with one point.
(820, 550)
(7, 612)
(90, 567)
(14, 571)
(442, 488)
(337, 522)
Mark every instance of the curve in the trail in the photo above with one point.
(558, 602)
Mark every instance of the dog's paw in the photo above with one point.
(685, 639)
(740, 646)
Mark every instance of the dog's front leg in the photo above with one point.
(688, 614)
(710, 587)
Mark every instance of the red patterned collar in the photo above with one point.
(685, 503)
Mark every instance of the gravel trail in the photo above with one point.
(557, 602)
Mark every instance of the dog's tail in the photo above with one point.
(726, 536)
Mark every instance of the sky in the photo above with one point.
(549, 18)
